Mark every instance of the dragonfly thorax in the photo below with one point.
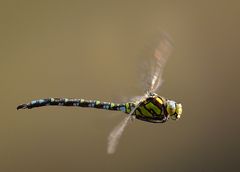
(151, 108)
(155, 108)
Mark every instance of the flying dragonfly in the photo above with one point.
(150, 107)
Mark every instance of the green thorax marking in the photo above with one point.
(151, 107)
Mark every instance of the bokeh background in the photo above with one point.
(91, 49)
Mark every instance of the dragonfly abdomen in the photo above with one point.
(124, 107)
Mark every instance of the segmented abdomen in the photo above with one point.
(125, 107)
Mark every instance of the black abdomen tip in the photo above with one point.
(22, 106)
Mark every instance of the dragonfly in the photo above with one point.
(150, 107)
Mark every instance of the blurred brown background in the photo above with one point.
(90, 49)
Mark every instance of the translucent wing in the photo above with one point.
(158, 52)
(114, 136)
(137, 99)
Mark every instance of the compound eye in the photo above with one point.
(171, 108)
(179, 109)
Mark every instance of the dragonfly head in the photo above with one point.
(174, 109)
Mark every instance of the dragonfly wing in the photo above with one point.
(137, 99)
(114, 136)
(159, 51)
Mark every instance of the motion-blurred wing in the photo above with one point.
(158, 57)
(113, 138)
(115, 135)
